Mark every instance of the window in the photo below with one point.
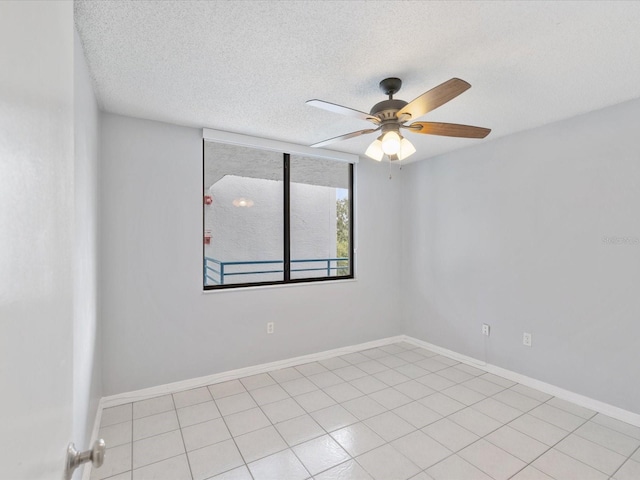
(272, 217)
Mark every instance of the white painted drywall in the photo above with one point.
(535, 232)
(87, 368)
(159, 326)
(36, 237)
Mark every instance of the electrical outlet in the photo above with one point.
(485, 329)
(526, 339)
(270, 327)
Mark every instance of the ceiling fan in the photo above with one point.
(391, 115)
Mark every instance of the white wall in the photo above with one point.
(517, 233)
(159, 326)
(86, 341)
(36, 237)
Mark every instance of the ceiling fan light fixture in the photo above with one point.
(375, 150)
(406, 149)
(391, 143)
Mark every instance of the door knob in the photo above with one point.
(75, 458)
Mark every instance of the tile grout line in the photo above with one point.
(182, 437)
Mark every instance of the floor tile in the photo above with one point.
(315, 400)
(531, 392)
(205, 434)
(260, 443)
(539, 429)
(298, 386)
(354, 358)
(425, 352)
(374, 353)
(349, 373)
(414, 390)
(592, 454)
(456, 468)
(392, 349)
(372, 366)
(497, 410)
(320, 454)
(349, 470)
(282, 410)
(299, 430)
(516, 400)
(492, 460)
(557, 417)
(240, 473)
(264, 395)
(435, 381)
(343, 391)
(391, 361)
(421, 449)
(475, 421)
(285, 374)
(431, 365)
(155, 424)
(257, 381)
(560, 466)
(155, 449)
(477, 372)
(312, 368)
(446, 360)
(280, 466)
(391, 377)
(121, 476)
(389, 426)
(629, 471)
(463, 394)
(571, 408)
(613, 440)
(386, 463)
(409, 356)
(422, 476)
(517, 443)
(144, 408)
(334, 363)
(176, 468)
(417, 414)
(197, 413)
(490, 377)
(214, 459)
(368, 384)
(363, 407)
(334, 417)
(482, 386)
(450, 434)
(225, 389)
(117, 434)
(531, 473)
(455, 374)
(390, 398)
(117, 460)
(357, 439)
(617, 425)
(325, 379)
(247, 421)
(442, 404)
(119, 414)
(192, 397)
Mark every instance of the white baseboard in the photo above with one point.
(137, 395)
(581, 400)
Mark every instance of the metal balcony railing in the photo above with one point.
(216, 271)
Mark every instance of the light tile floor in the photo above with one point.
(396, 412)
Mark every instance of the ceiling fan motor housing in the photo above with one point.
(387, 109)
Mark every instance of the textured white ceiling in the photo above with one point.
(249, 66)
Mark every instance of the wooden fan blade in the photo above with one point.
(449, 129)
(434, 98)
(350, 112)
(345, 137)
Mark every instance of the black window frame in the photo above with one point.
(286, 266)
